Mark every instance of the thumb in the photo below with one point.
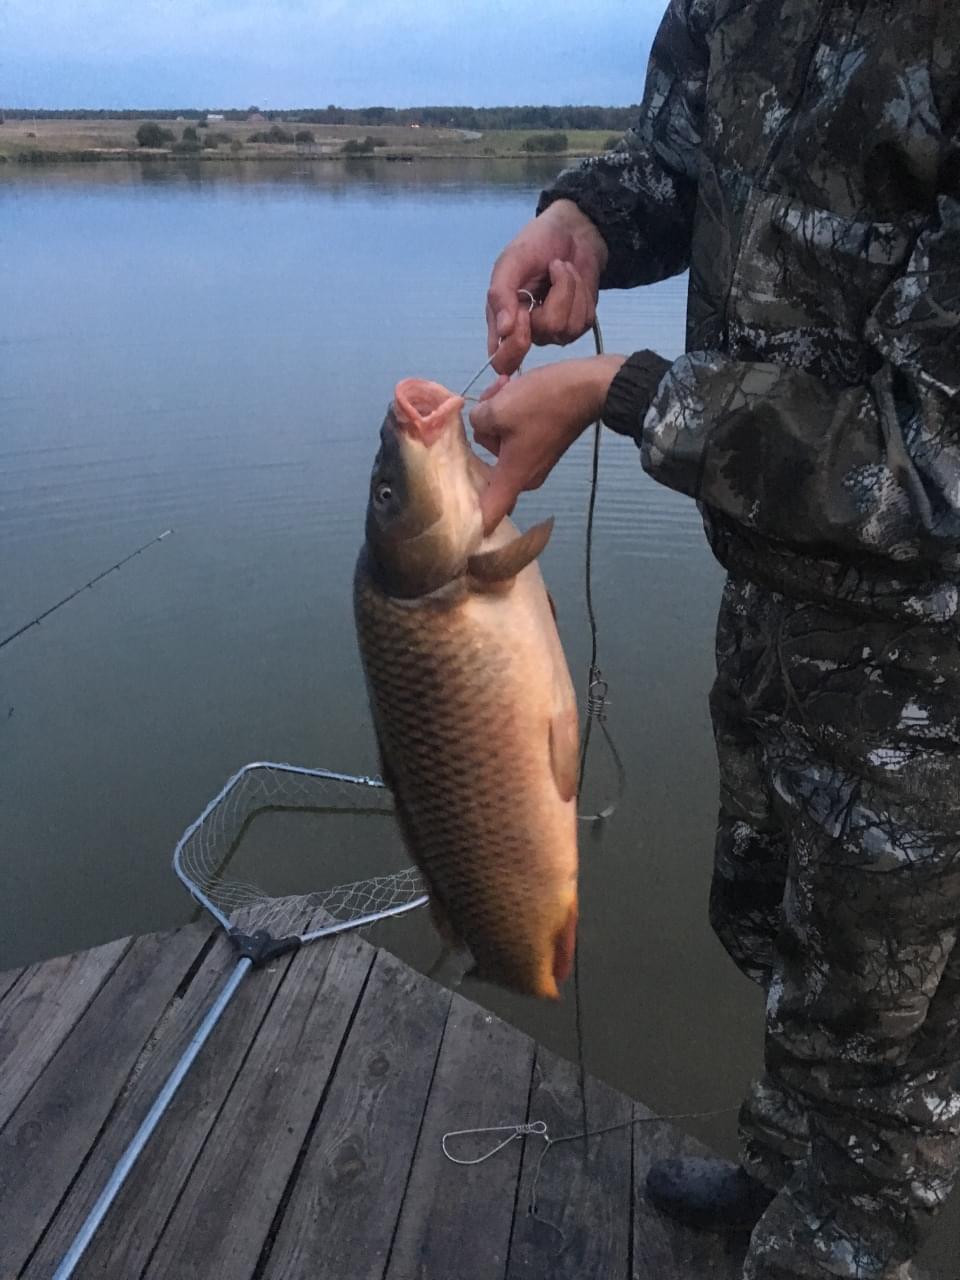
(499, 497)
(503, 300)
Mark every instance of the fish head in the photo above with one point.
(423, 516)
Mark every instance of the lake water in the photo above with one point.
(211, 349)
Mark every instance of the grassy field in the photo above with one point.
(40, 140)
(509, 142)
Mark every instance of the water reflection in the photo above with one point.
(210, 347)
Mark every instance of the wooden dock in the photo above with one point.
(306, 1141)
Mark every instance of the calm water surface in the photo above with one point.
(212, 350)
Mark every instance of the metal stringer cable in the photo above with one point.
(596, 685)
(595, 711)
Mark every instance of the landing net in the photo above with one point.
(211, 860)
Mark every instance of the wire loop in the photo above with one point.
(535, 1128)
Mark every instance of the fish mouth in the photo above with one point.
(423, 410)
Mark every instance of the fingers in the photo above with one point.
(551, 318)
(489, 442)
(504, 303)
(512, 352)
(500, 496)
(497, 316)
(565, 314)
(568, 309)
(482, 418)
(583, 310)
(496, 433)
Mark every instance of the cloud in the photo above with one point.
(298, 53)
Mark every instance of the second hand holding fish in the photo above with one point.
(530, 422)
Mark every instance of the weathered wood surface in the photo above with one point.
(482, 1078)
(228, 1204)
(573, 1211)
(130, 1233)
(305, 1144)
(7, 981)
(39, 1014)
(50, 1134)
(343, 1212)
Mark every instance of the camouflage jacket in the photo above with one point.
(802, 158)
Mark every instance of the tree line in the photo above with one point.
(479, 118)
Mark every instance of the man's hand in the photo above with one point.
(530, 422)
(557, 257)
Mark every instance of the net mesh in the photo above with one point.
(306, 841)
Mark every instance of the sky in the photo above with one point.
(290, 53)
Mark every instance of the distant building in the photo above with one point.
(214, 115)
(256, 117)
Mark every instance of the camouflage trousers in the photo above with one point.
(837, 887)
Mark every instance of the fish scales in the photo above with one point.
(455, 718)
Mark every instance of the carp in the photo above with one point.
(471, 698)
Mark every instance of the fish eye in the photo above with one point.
(382, 493)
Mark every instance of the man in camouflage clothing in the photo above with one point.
(802, 158)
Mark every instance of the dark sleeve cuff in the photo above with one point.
(631, 392)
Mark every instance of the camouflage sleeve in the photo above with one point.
(641, 195)
(872, 468)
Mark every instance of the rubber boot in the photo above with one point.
(711, 1195)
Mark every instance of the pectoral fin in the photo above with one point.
(504, 563)
(565, 751)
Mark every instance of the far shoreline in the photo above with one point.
(28, 143)
(48, 157)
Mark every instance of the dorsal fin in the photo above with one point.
(504, 563)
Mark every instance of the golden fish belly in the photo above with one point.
(465, 691)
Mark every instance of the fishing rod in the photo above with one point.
(35, 622)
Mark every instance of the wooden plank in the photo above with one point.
(455, 1219)
(662, 1248)
(581, 1223)
(343, 1208)
(53, 1129)
(221, 1223)
(42, 1010)
(8, 979)
(130, 1231)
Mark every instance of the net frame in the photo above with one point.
(241, 907)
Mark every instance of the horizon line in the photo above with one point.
(373, 106)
